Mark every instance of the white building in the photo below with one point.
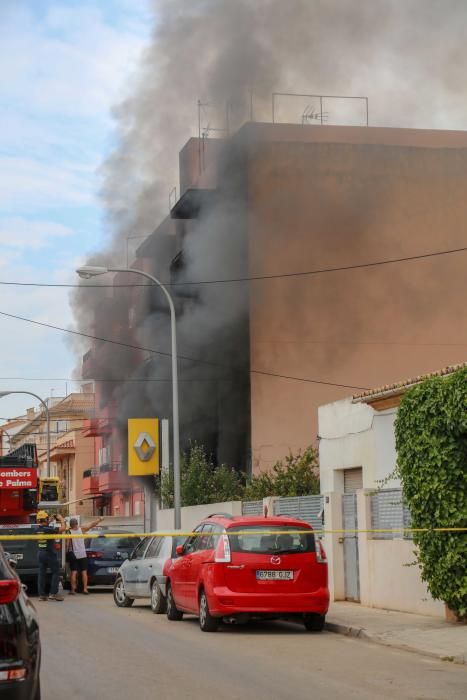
(357, 457)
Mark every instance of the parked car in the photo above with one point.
(105, 556)
(239, 568)
(20, 648)
(143, 574)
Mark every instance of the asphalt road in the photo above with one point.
(92, 649)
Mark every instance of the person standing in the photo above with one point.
(48, 557)
(77, 556)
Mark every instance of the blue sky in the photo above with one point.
(65, 64)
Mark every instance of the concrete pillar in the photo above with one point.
(333, 544)
(364, 551)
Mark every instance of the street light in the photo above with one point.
(30, 393)
(89, 271)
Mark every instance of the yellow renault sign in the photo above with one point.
(143, 446)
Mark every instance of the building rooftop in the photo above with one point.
(399, 387)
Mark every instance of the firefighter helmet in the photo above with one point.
(42, 515)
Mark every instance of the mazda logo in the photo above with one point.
(275, 560)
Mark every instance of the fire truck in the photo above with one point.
(20, 491)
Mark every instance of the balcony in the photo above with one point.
(90, 483)
(95, 427)
(112, 477)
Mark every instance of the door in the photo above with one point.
(132, 569)
(202, 554)
(350, 522)
(181, 575)
(146, 567)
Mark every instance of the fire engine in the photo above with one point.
(22, 494)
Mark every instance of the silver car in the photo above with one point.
(142, 574)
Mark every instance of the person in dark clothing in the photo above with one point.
(48, 558)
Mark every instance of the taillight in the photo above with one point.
(9, 590)
(222, 553)
(321, 557)
(95, 555)
(13, 674)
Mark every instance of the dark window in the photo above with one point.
(102, 544)
(267, 539)
(192, 543)
(154, 547)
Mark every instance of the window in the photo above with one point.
(104, 544)
(137, 507)
(285, 541)
(154, 547)
(209, 540)
(138, 551)
(191, 545)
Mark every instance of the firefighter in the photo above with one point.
(48, 558)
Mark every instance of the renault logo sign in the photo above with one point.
(144, 447)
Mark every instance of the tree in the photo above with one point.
(296, 475)
(201, 482)
(431, 442)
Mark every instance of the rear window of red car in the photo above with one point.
(271, 539)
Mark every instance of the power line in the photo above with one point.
(181, 357)
(254, 278)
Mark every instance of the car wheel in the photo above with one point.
(314, 622)
(157, 599)
(173, 613)
(207, 622)
(120, 597)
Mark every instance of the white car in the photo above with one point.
(142, 574)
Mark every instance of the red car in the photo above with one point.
(241, 568)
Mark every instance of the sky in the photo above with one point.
(65, 64)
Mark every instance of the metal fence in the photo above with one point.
(306, 508)
(252, 508)
(388, 511)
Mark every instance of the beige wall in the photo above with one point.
(342, 198)
(192, 515)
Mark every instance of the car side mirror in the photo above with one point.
(179, 550)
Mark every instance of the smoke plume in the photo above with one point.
(409, 56)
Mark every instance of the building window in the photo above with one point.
(137, 507)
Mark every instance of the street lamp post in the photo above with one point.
(30, 393)
(89, 271)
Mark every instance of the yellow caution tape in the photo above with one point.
(257, 531)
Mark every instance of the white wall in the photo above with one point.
(355, 435)
(394, 585)
(192, 515)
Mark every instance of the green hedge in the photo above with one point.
(431, 442)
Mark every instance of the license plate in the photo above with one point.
(274, 575)
(112, 569)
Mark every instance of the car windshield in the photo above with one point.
(271, 539)
(103, 544)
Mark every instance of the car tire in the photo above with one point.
(314, 622)
(158, 602)
(207, 622)
(120, 597)
(173, 613)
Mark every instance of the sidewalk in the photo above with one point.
(430, 636)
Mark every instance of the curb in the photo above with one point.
(361, 633)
